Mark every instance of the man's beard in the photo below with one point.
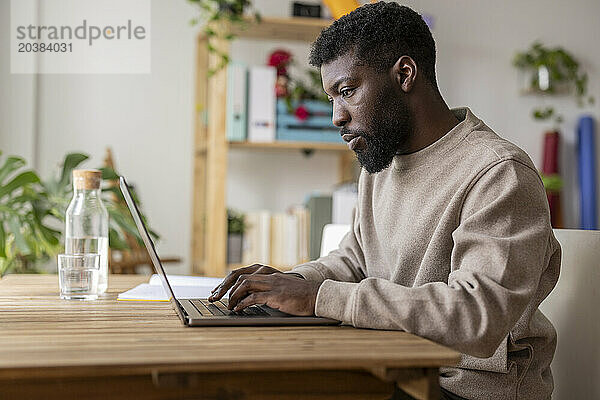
(388, 135)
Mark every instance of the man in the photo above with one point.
(451, 237)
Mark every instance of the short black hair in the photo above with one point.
(379, 34)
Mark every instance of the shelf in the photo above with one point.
(292, 28)
(209, 224)
(339, 147)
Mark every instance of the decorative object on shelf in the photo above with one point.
(339, 8)
(586, 162)
(281, 59)
(309, 122)
(215, 13)
(236, 226)
(31, 210)
(300, 9)
(294, 90)
(303, 110)
(551, 178)
(551, 71)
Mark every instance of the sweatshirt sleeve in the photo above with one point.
(343, 264)
(502, 235)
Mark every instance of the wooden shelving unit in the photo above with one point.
(209, 203)
(290, 146)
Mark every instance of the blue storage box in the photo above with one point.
(316, 128)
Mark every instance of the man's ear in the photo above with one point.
(405, 73)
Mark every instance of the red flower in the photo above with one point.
(301, 113)
(280, 59)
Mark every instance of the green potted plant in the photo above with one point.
(236, 226)
(32, 213)
(551, 71)
(216, 16)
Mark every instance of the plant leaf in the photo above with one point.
(11, 164)
(109, 173)
(71, 162)
(21, 180)
(20, 241)
(2, 241)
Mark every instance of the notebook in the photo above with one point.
(185, 287)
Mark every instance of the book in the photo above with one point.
(184, 287)
(319, 208)
(237, 92)
(278, 239)
(256, 247)
(261, 103)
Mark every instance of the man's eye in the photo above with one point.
(347, 92)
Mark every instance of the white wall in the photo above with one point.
(147, 119)
(17, 98)
(476, 42)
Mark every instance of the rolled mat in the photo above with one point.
(550, 162)
(586, 162)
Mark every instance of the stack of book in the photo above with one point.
(277, 239)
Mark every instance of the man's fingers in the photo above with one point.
(230, 280)
(250, 300)
(246, 285)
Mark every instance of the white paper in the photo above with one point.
(184, 280)
(185, 287)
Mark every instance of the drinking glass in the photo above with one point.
(78, 276)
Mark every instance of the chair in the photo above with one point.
(332, 235)
(573, 307)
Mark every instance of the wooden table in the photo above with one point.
(108, 349)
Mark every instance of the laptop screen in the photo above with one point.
(135, 213)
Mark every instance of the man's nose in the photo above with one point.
(340, 116)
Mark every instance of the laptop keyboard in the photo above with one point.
(219, 308)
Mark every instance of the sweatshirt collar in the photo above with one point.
(433, 152)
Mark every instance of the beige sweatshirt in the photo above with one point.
(453, 243)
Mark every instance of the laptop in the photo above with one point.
(200, 312)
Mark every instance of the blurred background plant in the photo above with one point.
(32, 213)
(217, 17)
(551, 71)
(236, 223)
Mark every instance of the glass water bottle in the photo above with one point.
(87, 221)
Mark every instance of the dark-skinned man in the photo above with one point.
(451, 237)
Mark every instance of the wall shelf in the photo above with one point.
(209, 203)
(339, 147)
(296, 28)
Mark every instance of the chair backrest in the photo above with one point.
(332, 235)
(573, 307)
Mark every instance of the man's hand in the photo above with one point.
(259, 284)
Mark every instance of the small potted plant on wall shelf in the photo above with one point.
(551, 71)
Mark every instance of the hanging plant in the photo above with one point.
(214, 13)
(551, 71)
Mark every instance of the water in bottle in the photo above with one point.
(87, 221)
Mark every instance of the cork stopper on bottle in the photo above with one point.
(87, 179)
